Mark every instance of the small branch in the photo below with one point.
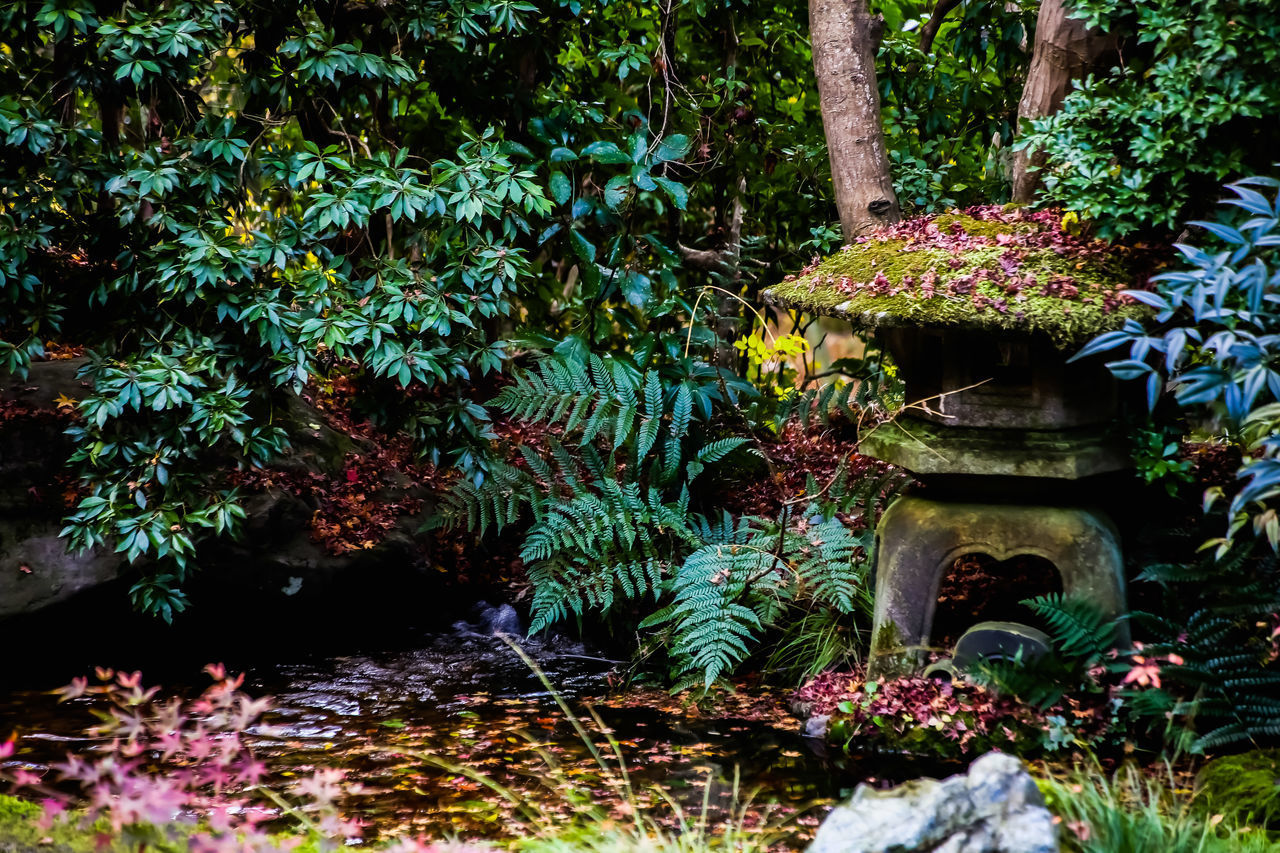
(930, 29)
(710, 260)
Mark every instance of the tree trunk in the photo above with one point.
(1064, 50)
(844, 35)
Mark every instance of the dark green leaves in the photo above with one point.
(561, 188)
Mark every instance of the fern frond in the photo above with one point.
(1078, 627)
(832, 563)
(652, 421)
(717, 450)
(681, 417)
(495, 502)
(596, 397)
(713, 626)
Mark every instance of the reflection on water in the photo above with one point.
(464, 698)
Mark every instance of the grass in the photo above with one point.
(1129, 812)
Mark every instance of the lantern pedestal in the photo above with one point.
(918, 539)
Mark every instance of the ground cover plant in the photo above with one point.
(1128, 809)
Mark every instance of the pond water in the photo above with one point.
(396, 719)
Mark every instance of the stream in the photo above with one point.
(400, 720)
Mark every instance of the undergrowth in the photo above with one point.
(614, 525)
(1137, 813)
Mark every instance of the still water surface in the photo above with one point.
(462, 697)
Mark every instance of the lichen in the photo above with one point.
(987, 268)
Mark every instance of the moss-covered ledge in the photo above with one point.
(987, 268)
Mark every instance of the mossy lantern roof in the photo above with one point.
(986, 268)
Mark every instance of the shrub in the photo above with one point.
(170, 773)
(922, 716)
(1213, 339)
(1143, 146)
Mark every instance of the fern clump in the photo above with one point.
(1082, 639)
(608, 516)
(1221, 674)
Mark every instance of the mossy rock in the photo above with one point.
(987, 269)
(1246, 786)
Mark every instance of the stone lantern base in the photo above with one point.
(919, 538)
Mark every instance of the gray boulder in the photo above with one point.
(994, 808)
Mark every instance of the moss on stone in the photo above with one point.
(983, 227)
(997, 270)
(1246, 786)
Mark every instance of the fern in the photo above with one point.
(717, 450)
(652, 422)
(495, 502)
(1227, 683)
(713, 624)
(608, 509)
(1081, 635)
(1078, 628)
(831, 564)
(591, 399)
(681, 417)
(1039, 682)
(748, 579)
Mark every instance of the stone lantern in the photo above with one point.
(981, 313)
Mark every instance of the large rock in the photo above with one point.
(35, 568)
(37, 571)
(994, 808)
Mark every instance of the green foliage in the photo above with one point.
(1156, 456)
(870, 383)
(224, 200)
(1134, 812)
(1218, 670)
(20, 830)
(608, 503)
(1077, 626)
(1213, 341)
(1082, 637)
(818, 640)
(1144, 146)
(948, 113)
(798, 573)
(728, 591)
(1246, 786)
(181, 200)
(603, 525)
